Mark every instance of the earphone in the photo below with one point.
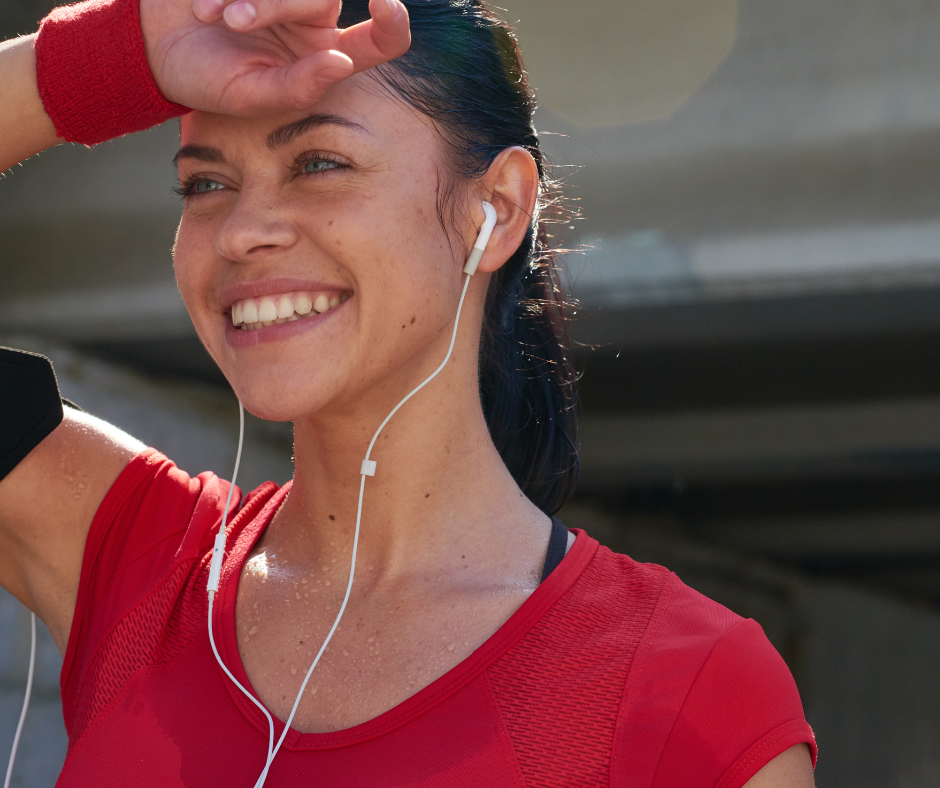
(367, 468)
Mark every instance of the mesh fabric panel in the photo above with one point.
(559, 688)
(155, 632)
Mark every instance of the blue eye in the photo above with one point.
(319, 165)
(204, 185)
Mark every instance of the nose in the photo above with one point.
(255, 229)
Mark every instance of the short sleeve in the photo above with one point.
(153, 518)
(742, 711)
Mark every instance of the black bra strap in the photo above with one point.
(557, 546)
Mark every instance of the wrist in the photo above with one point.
(93, 75)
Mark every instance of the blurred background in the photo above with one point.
(758, 330)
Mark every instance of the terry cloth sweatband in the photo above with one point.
(30, 406)
(93, 75)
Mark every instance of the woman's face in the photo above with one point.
(324, 221)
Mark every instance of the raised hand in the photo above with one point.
(258, 57)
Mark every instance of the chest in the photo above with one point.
(392, 641)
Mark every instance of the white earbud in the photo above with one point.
(367, 468)
(482, 239)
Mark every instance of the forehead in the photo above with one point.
(359, 108)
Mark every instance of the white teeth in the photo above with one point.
(285, 307)
(303, 304)
(266, 310)
(250, 314)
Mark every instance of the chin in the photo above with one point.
(278, 397)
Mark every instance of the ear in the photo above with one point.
(511, 184)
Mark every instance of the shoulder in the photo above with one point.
(642, 681)
(146, 542)
(708, 700)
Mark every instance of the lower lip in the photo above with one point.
(237, 338)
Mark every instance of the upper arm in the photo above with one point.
(47, 503)
(791, 769)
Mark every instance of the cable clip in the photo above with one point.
(368, 468)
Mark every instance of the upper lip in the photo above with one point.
(272, 287)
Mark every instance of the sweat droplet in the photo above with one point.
(293, 671)
(451, 646)
(252, 630)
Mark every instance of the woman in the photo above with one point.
(333, 181)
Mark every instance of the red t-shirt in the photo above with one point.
(613, 673)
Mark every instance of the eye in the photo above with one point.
(315, 165)
(205, 185)
(197, 185)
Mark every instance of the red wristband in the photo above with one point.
(93, 75)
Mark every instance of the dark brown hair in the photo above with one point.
(464, 72)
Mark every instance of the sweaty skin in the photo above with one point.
(327, 189)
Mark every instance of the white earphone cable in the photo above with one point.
(352, 566)
(218, 658)
(367, 469)
(29, 689)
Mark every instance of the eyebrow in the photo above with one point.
(200, 153)
(276, 139)
(290, 132)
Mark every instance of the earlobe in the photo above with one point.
(511, 184)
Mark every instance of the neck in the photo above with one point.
(441, 493)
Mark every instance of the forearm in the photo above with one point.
(25, 128)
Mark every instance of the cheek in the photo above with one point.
(192, 258)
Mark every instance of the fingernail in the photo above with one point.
(206, 9)
(332, 74)
(394, 7)
(240, 15)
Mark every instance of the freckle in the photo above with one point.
(330, 223)
(427, 495)
(253, 630)
(332, 516)
(402, 326)
(413, 318)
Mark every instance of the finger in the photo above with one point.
(386, 36)
(248, 15)
(266, 90)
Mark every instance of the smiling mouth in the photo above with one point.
(250, 314)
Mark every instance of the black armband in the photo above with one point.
(30, 405)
